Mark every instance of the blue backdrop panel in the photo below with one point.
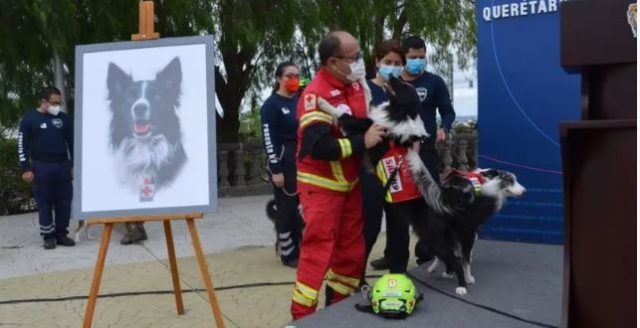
(523, 94)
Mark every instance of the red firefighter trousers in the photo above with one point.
(332, 247)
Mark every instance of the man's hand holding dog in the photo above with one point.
(278, 180)
(27, 176)
(374, 135)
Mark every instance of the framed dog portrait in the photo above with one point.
(145, 140)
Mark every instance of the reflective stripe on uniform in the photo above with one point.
(305, 295)
(382, 175)
(345, 147)
(349, 281)
(336, 169)
(315, 117)
(341, 284)
(325, 183)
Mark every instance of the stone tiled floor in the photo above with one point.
(238, 241)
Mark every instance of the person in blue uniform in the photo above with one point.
(390, 60)
(45, 150)
(279, 128)
(434, 95)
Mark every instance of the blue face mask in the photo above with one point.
(416, 66)
(387, 71)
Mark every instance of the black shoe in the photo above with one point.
(380, 264)
(66, 241)
(50, 243)
(292, 263)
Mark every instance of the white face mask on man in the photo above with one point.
(53, 109)
(358, 70)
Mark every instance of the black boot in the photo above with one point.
(328, 296)
(380, 264)
(49, 243)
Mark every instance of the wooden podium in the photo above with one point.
(599, 159)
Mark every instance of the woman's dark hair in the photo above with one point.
(390, 46)
(279, 72)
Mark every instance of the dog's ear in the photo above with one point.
(390, 92)
(394, 87)
(170, 77)
(117, 81)
(490, 173)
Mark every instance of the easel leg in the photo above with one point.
(204, 270)
(174, 266)
(97, 275)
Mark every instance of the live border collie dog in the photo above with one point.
(145, 133)
(454, 213)
(400, 116)
(457, 210)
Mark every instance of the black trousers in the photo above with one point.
(53, 192)
(372, 205)
(288, 222)
(399, 217)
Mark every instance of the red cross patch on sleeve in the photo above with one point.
(310, 102)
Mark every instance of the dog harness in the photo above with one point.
(476, 179)
(402, 186)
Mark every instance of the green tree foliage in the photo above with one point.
(251, 38)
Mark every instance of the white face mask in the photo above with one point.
(358, 70)
(54, 110)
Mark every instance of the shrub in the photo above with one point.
(15, 195)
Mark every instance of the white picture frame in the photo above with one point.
(144, 128)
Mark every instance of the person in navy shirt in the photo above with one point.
(279, 128)
(45, 150)
(433, 95)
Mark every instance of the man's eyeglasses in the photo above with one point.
(353, 58)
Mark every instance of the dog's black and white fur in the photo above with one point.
(145, 133)
(454, 213)
(400, 116)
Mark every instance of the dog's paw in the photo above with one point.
(461, 291)
(433, 266)
(470, 279)
(447, 275)
(76, 238)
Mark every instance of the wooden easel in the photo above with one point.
(147, 33)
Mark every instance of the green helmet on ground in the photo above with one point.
(394, 295)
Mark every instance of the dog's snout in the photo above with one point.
(140, 110)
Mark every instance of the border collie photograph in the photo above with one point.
(145, 135)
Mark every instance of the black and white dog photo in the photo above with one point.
(145, 135)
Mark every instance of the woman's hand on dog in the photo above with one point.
(374, 135)
(278, 180)
(416, 146)
(441, 135)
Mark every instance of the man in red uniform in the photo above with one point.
(328, 165)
